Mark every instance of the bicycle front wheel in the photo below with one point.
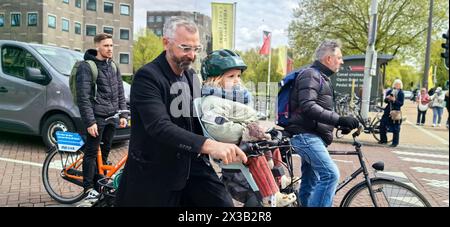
(387, 192)
(62, 176)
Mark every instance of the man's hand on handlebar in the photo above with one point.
(228, 153)
(123, 123)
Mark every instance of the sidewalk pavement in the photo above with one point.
(412, 136)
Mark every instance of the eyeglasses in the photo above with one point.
(187, 49)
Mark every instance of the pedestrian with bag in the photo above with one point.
(423, 99)
(437, 105)
(392, 117)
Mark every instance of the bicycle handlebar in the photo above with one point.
(117, 114)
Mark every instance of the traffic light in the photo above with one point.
(445, 46)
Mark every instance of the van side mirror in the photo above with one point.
(34, 75)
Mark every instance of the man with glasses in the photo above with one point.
(168, 162)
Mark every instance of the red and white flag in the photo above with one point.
(265, 49)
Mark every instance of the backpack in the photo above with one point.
(284, 96)
(94, 70)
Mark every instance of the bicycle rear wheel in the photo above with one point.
(388, 193)
(61, 178)
(376, 132)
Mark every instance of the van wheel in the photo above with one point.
(54, 123)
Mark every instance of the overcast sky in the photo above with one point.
(253, 16)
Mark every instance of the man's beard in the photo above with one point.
(183, 63)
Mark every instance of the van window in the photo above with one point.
(62, 60)
(15, 60)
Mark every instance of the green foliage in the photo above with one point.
(258, 67)
(402, 26)
(146, 48)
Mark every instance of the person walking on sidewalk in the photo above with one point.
(423, 99)
(312, 123)
(394, 99)
(438, 104)
(448, 105)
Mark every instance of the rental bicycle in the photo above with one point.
(62, 172)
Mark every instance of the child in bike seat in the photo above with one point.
(228, 117)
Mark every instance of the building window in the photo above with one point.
(124, 59)
(66, 1)
(125, 10)
(91, 30)
(151, 19)
(32, 19)
(78, 3)
(124, 34)
(65, 25)
(51, 21)
(15, 19)
(109, 30)
(158, 32)
(78, 28)
(91, 5)
(108, 7)
(2, 20)
(159, 19)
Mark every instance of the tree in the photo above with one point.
(146, 48)
(402, 26)
(257, 67)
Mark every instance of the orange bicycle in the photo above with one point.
(62, 172)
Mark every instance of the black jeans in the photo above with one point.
(421, 116)
(394, 128)
(104, 140)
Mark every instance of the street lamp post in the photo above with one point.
(370, 68)
(428, 51)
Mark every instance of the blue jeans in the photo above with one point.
(437, 114)
(320, 174)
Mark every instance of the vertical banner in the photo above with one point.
(282, 60)
(430, 79)
(223, 28)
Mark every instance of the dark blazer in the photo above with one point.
(312, 104)
(396, 105)
(162, 147)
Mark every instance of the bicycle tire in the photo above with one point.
(394, 193)
(56, 186)
(376, 132)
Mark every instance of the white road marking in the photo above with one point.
(421, 154)
(430, 170)
(21, 162)
(424, 161)
(343, 161)
(437, 183)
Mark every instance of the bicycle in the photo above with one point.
(371, 125)
(376, 191)
(62, 172)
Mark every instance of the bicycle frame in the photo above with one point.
(362, 169)
(106, 170)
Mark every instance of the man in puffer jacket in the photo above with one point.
(108, 100)
(312, 122)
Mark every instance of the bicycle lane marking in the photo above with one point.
(440, 139)
(20, 162)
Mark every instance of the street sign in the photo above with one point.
(68, 141)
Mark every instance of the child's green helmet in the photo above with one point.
(220, 61)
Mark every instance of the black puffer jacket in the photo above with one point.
(110, 94)
(312, 104)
